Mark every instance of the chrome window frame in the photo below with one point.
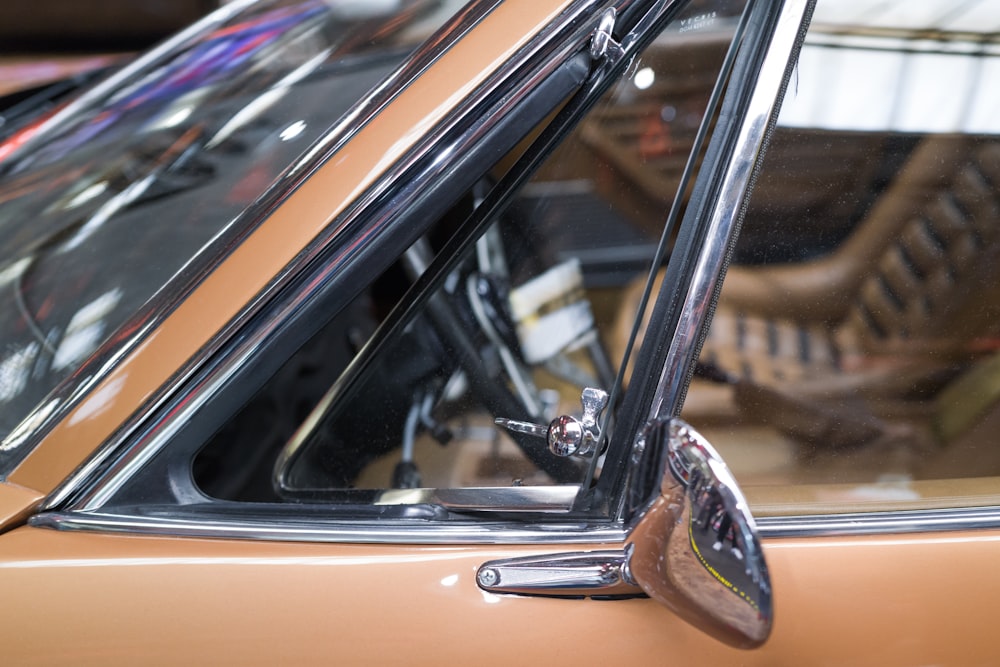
(727, 213)
(509, 532)
(700, 255)
(341, 531)
(881, 523)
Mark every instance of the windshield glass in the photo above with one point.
(134, 190)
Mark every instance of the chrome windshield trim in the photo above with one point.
(358, 532)
(881, 523)
(544, 54)
(727, 208)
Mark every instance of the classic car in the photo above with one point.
(413, 331)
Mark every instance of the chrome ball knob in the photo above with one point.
(565, 436)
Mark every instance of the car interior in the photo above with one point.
(869, 360)
(518, 329)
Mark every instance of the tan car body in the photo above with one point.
(110, 600)
(90, 598)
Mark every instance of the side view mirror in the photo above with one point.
(695, 549)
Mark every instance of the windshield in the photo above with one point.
(134, 190)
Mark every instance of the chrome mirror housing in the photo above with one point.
(694, 548)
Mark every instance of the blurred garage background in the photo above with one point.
(44, 41)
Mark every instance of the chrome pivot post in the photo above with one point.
(568, 435)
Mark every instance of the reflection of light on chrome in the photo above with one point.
(14, 370)
(450, 580)
(292, 131)
(402, 497)
(98, 401)
(490, 598)
(28, 426)
(83, 334)
(644, 78)
(88, 194)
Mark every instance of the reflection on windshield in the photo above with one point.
(125, 197)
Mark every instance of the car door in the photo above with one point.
(147, 563)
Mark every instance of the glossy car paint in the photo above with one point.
(116, 600)
(16, 502)
(272, 246)
(111, 599)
